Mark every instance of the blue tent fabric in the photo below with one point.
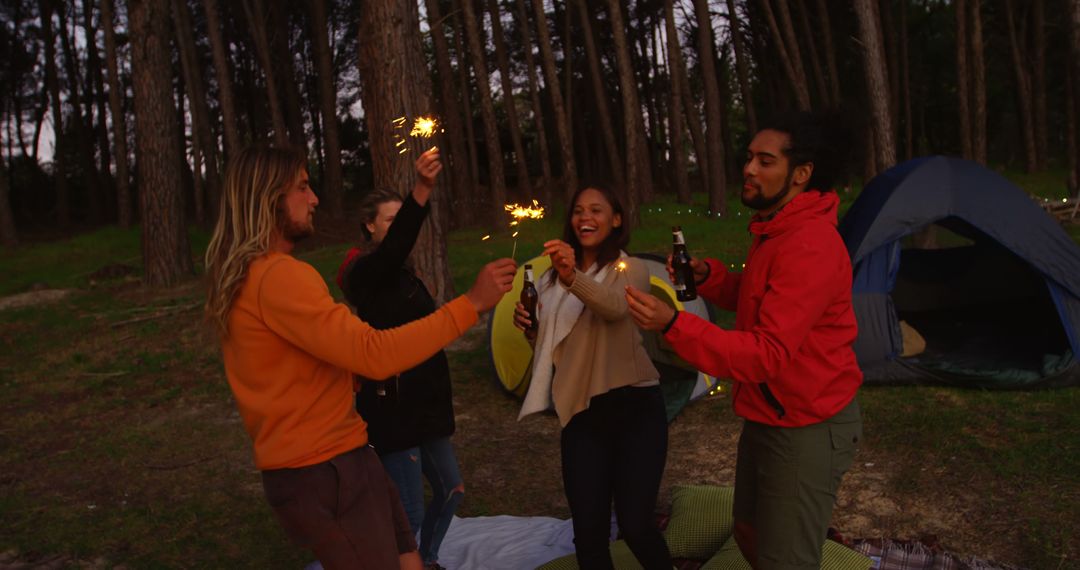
(975, 202)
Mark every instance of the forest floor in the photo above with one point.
(121, 444)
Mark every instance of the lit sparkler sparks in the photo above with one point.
(423, 127)
(518, 213)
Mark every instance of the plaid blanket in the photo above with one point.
(917, 555)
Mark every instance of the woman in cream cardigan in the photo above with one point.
(590, 366)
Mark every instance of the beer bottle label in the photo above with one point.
(678, 238)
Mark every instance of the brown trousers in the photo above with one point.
(346, 510)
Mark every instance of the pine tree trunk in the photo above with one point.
(905, 83)
(474, 201)
(124, 208)
(496, 177)
(1038, 80)
(534, 98)
(396, 83)
(80, 123)
(892, 63)
(509, 103)
(877, 84)
(600, 97)
(562, 126)
(741, 68)
(1072, 161)
(825, 25)
(96, 82)
(789, 53)
(333, 186)
(1074, 102)
(9, 237)
(227, 101)
(694, 122)
(638, 172)
(286, 81)
(978, 85)
(714, 138)
(253, 10)
(200, 111)
(1022, 75)
(457, 160)
(675, 115)
(820, 81)
(166, 253)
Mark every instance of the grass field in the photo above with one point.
(120, 442)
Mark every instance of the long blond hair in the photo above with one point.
(255, 182)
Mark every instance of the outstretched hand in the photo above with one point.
(428, 167)
(648, 312)
(563, 259)
(494, 280)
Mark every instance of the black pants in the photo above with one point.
(616, 449)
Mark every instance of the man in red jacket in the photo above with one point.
(790, 352)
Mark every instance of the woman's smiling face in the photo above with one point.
(593, 218)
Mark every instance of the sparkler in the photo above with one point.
(423, 127)
(518, 213)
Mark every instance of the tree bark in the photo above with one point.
(286, 81)
(562, 126)
(457, 160)
(825, 25)
(52, 84)
(199, 109)
(222, 69)
(1038, 80)
(124, 207)
(253, 10)
(473, 201)
(694, 122)
(789, 53)
(166, 253)
(509, 103)
(9, 237)
(638, 172)
(1023, 87)
(905, 83)
(534, 98)
(742, 68)
(675, 115)
(333, 186)
(820, 81)
(600, 96)
(496, 177)
(96, 80)
(877, 85)
(1072, 161)
(396, 83)
(714, 138)
(978, 85)
(1074, 102)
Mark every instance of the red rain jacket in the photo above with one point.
(790, 353)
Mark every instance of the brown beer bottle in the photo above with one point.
(685, 287)
(530, 298)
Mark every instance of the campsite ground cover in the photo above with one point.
(120, 443)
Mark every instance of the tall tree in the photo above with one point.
(8, 235)
(562, 124)
(675, 115)
(124, 208)
(96, 83)
(253, 10)
(693, 121)
(825, 25)
(810, 39)
(332, 183)
(1074, 69)
(278, 37)
(905, 83)
(202, 132)
(638, 172)
(1038, 82)
(600, 97)
(52, 84)
(963, 94)
(457, 160)
(226, 99)
(466, 104)
(534, 98)
(496, 177)
(81, 111)
(1022, 75)
(978, 85)
(396, 83)
(509, 103)
(714, 137)
(742, 68)
(877, 84)
(166, 252)
(788, 48)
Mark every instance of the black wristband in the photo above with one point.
(670, 323)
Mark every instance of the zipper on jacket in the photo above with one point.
(771, 399)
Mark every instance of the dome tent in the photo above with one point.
(511, 355)
(999, 307)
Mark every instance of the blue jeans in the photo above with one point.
(434, 459)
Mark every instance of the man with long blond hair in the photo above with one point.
(290, 352)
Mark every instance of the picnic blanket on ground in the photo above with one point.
(916, 555)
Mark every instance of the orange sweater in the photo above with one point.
(291, 353)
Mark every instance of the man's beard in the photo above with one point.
(761, 202)
(293, 232)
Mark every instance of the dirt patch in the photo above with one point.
(34, 298)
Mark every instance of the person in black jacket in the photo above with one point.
(410, 417)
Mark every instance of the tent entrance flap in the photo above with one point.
(985, 315)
